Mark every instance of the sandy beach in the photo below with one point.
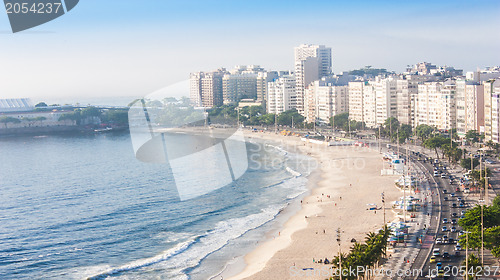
(346, 180)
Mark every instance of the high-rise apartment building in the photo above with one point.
(263, 78)
(470, 106)
(311, 63)
(406, 93)
(495, 111)
(435, 104)
(206, 88)
(386, 101)
(325, 100)
(362, 102)
(281, 95)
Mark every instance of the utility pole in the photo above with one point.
(292, 122)
(349, 122)
(466, 255)
(379, 147)
(340, 252)
(383, 203)
(276, 123)
(482, 234)
(397, 141)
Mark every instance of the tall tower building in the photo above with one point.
(311, 63)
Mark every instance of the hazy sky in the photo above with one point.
(131, 48)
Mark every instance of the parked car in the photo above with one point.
(443, 176)
(444, 229)
(454, 221)
(453, 229)
(436, 252)
(445, 221)
(454, 214)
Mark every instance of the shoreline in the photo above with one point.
(301, 239)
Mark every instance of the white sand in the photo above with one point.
(352, 173)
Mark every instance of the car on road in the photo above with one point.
(458, 247)
(459, 198)
(444, 229)
(432, 259)
(453, 229)
(445, 191)
(446, 255)
(439, 265)
(445, 221)
(436, 173)
(454, 221)
(436, 252)
(489, 161)
(453, 205)
(454, 214)
(463, 212)
(452, 194)
(439, 241)
(461, 205)
(445, 198)
(443, 176)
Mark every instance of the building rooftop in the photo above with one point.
(16, 105)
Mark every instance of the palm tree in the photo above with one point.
(475, 267)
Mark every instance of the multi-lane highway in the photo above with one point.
(449, 203)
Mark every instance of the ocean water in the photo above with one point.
(82, 207)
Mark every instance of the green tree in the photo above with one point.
(465, 163)
(434, 143)
(424, 131)
(285, 118)
(475, 267)
(7, 120)
(473, 136)
(340, 121)
(40, 119)
(267, 119)
(41, 104)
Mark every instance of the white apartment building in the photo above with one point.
(491, 110)
(435, 104)
(362, 102)
(281, 95)
(495, 111)
(311, 63)
(386, 99)
(263, 78)
(406, 93)
(325, 100)
(469, 106)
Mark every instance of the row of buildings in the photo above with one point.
(439, 96)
